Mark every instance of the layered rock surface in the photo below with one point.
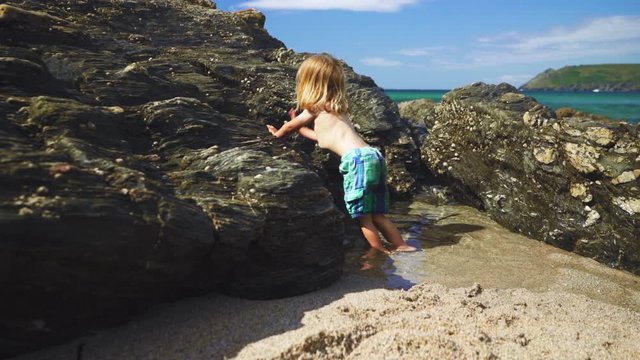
(571, 182)
(135, 165)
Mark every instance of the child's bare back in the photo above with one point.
(336, 133)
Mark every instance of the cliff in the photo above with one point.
(610, 77)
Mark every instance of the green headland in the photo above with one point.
(606, 78)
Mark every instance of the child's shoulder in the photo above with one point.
(331, 114)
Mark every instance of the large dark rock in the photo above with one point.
(571, 182)
(135, 165)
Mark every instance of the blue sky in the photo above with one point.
(442, 44)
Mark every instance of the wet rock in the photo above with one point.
(505, 153)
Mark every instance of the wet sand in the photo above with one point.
(482, 292)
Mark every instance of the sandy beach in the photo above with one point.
(354, 319)
(481, 292)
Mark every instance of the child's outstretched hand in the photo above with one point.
(292, 113)
(272, 129)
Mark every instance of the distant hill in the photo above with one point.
(610, 77)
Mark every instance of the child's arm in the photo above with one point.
(296, 123)
(308, 133)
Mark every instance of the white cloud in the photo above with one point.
(611, 37)
(353, 5)
(425, 51)
(415, 52)
(378, 61)
(599, 32)
(507, 36)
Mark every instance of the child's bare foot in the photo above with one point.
(406, 248)
(370, 254)
(366, 266)
(382, 250)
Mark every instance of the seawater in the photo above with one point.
(619, 106)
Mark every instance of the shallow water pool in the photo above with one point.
(461, 246)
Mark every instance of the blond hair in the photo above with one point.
(320, 85)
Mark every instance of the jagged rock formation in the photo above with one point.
(135, 165)
(571, 182)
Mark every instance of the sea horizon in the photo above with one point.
(521, 90)
(623, 106)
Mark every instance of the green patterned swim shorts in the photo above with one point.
(364, 180)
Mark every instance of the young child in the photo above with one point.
(321, 94)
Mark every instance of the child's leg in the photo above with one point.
(370, 233)
(391, 233)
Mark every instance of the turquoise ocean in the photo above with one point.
(619, 106)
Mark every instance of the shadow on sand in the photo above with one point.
(218, 326)
(206, 327)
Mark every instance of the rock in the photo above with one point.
(581, 191)
(509, 98)
(252, 17)
(631, 206)
(601, 136)
(544, 155)
(592, 217)
(11, 14)
(509, 168)
(262, 208)
(422, 111)
(625, 177)
(21, 24)
(136, 167)
(583, 157)
(204, 3)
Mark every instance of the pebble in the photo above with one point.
(25, 211)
